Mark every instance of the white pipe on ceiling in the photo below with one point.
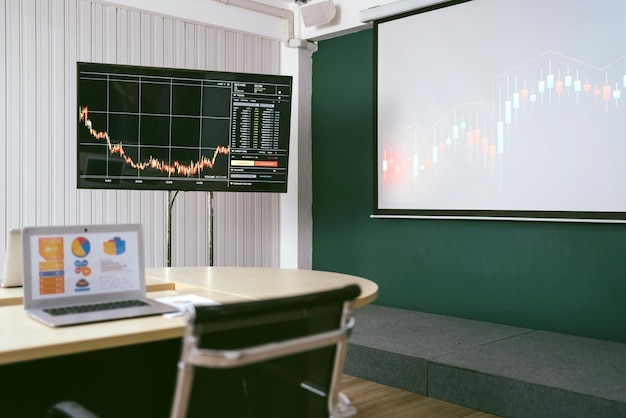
(284, 14)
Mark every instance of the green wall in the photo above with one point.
(562, 277)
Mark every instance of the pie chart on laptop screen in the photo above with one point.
(80, 246)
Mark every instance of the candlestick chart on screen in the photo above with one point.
(474, 140)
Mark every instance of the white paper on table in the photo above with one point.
(180, 301)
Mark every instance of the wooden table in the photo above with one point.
(22, 338)
(255, 283)
(131, 363)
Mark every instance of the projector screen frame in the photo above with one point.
(471, 214)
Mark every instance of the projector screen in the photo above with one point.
(503, 109)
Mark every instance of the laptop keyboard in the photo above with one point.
(95, 307)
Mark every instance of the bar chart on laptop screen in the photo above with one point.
(511, 107)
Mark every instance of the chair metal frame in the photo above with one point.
(193, 356)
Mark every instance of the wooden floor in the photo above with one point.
(373, 400)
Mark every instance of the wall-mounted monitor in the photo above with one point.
(502, 109)
(177, 129)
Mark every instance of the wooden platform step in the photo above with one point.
(503, 370)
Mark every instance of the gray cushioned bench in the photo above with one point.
(503, 370)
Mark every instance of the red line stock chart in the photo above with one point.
(192, 169)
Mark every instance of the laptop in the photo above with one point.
(12, 276)
(83, 274)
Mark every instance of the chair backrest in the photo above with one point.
(281, 358)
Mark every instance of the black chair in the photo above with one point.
(281, 358)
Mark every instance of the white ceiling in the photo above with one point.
(213, 12)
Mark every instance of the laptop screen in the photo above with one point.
(94, 260)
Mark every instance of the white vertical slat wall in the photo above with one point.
(40, 43)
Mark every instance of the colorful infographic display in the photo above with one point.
(90, 263)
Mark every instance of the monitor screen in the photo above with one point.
(84, 262)
(502, 109)
(179, 129)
